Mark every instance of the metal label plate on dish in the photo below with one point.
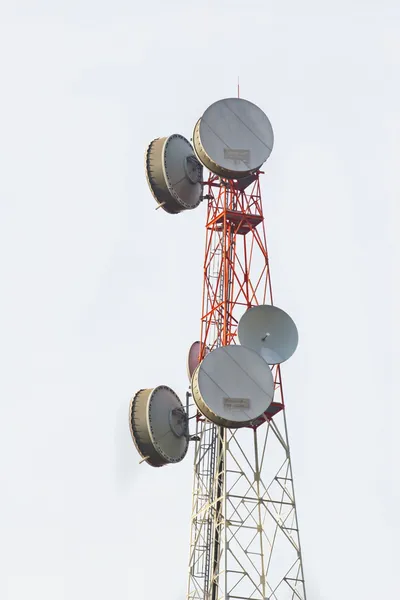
(236, 403)
(237, 155)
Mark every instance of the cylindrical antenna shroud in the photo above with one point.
(174, 175)
(233, 138)
(158, 425)
(233, 386)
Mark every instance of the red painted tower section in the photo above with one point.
(236, 272)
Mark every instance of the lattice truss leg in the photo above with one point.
(244, 532)
(252, 520)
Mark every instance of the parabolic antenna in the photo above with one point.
(193, 358)
(269, 331)
(233, 138)
(158, 424)
(174, 174)
(232, 386)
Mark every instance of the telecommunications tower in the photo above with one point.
(244, 542)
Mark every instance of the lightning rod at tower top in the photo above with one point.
(244, 534)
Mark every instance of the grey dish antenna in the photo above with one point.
(174, 174)
(232, 386)
(270, 332)
(158, 424)
(233, 138)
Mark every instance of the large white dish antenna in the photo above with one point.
(158, 424)
(232, 386)
(174, 174)
(269, 331)
(233, 138)
(193, 358)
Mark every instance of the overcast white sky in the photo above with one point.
(100, 294)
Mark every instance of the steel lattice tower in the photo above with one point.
(245, 541)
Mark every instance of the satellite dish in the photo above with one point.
(158, 424)
(193, 358)
(269, 331)
(174, 174)
(232, 386)
(233, 138)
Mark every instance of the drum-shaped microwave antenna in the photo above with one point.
(233, 138)
(174, 174)
(232, 386)
(193, 358)
(159, 426)
(269, 331)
